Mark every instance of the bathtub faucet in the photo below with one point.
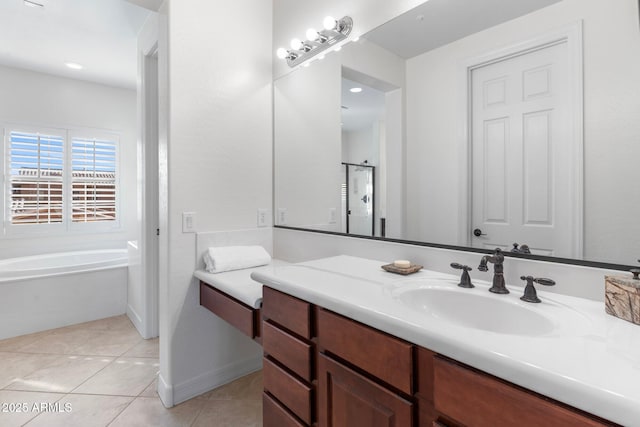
(497, 259)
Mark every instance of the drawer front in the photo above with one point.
(293, 393)
(287, 311)
(477, 399)
(383, 356)
(234, 312)
(293, 353)
(275, 415)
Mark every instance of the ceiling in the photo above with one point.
(436, 23)
(101, 35)
(361, 110)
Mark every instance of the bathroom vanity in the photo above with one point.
(348, 344)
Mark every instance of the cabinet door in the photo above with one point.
(347, 399)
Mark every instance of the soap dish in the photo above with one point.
(413, 268)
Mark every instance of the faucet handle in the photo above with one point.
(545, 282)
(465, 279)
(635, 272)
(460, 266)
(530, 294)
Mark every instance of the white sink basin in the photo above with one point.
(479, 309)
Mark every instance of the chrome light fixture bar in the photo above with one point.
(317, 41)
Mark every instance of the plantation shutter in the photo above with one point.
(36, 172)
(93, 180)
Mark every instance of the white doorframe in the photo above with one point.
(148, 221)
(572, 36)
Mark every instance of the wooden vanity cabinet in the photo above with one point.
(336, 372)
(289, 361)
(244, 318)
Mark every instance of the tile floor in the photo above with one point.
(103, 373)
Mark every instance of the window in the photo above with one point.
(36, 169)
(60, 179)
(93, 180)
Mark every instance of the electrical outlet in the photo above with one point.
(333, 215)
(188, 222)
(282, 216)
(263, 218)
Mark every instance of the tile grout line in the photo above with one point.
(55, 401)
(96, 373)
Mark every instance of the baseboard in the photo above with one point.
(135, 318)
(214, 378)
(165, 392)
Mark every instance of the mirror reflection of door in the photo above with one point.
(521, 127)
(360, 198)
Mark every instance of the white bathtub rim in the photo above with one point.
(21, 274)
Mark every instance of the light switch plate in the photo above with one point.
(263, 218)
(188, 222)
(333, 215)
(282, 216)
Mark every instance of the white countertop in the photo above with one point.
(238, 283)
(591, 362)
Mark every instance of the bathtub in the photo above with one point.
(53, 290)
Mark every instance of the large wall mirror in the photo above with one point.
(473, 124)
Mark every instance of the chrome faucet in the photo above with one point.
(497, 259)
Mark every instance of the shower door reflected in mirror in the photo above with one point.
(358, 199)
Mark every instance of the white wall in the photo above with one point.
(215, 149)
(611, 135)
(362, 144)
(40, 99)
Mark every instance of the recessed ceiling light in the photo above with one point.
(355, 89)
(74, 65)
(32, 3)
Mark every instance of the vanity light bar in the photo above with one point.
(317, 41)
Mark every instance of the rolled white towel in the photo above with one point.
(227, 258)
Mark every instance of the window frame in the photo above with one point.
(67, 226)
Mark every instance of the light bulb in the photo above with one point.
(329, 23)
(282, 53)
(312, 34)
(73, 65)
(355, 90)
(296, 44)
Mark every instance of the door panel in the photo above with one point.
(347, 399)
(521, 128)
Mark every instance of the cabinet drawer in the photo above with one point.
(293, 393)
(287, 311)
(231, 310)
(293, 353)
(388, 358)
(275, 415)
(476, 399)
(348, 399)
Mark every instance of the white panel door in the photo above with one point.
(522, 156)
